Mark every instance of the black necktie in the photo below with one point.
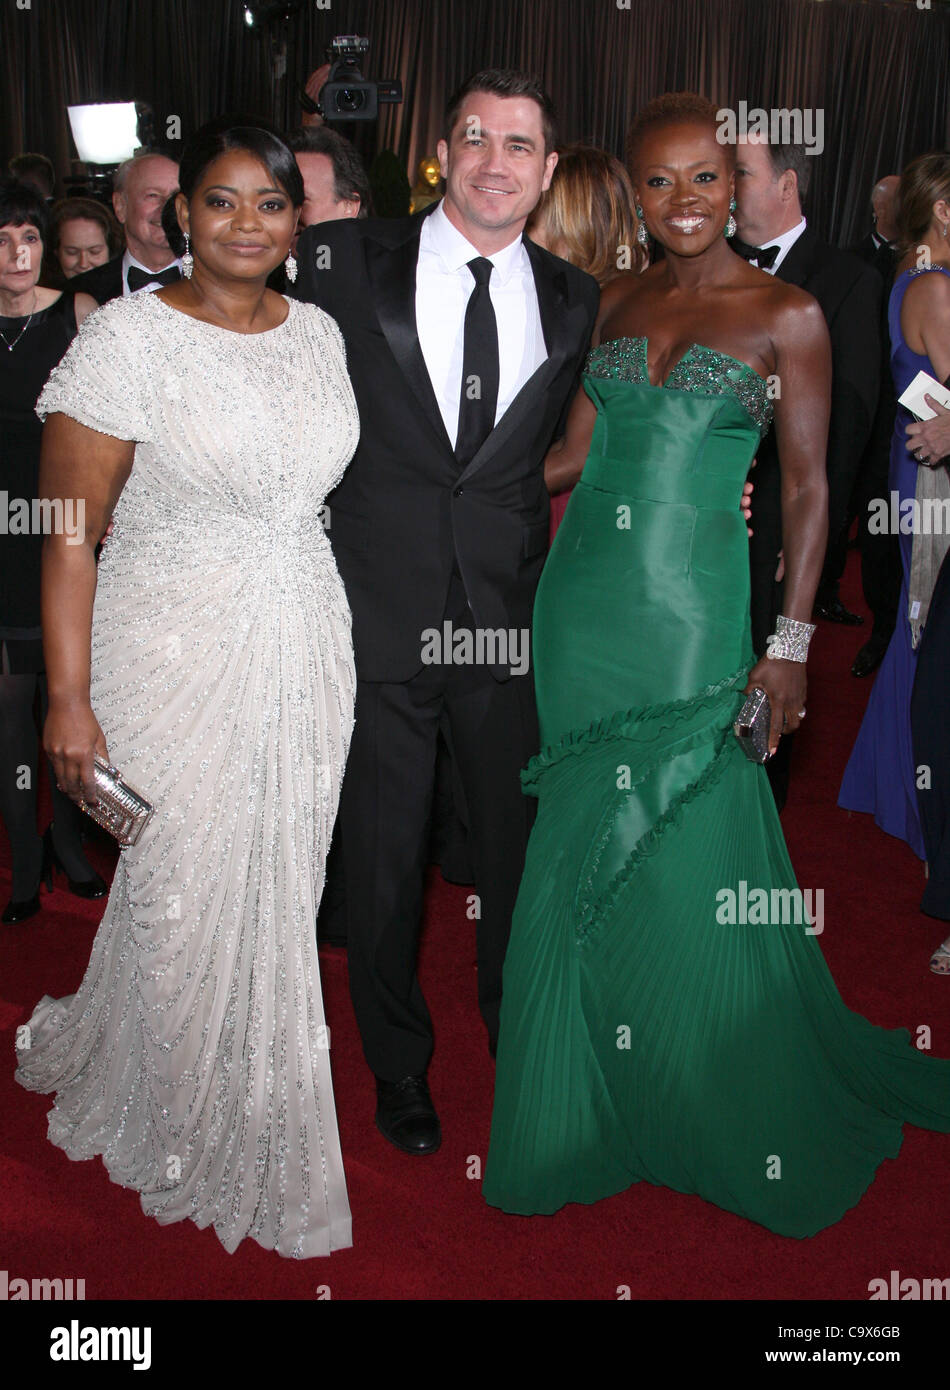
(479, 395)
(138, 278)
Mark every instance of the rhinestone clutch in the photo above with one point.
(752, 726)
(121, 809)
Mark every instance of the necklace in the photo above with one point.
(10, 346)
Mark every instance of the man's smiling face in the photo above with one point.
(495, 168)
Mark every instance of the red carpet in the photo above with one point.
(421, 1229)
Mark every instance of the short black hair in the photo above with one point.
(349, 175)
(31, 167)
(504, 82)
(227, 133)
(22, 206)
(794, 157)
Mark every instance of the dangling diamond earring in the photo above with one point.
(290, 266)
(730, 228)
(643, 236)
(187, 260)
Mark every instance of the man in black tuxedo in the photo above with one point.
(771, 181)
(880, 553)
(464, 343)
(141, 187)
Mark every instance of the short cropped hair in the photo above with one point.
(121, 176)
(349, 176)
(504, 82)
(672, 108)
(794, 157)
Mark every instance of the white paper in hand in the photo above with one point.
(913, 398)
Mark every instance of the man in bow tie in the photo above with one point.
(141, 187)
(771, 184)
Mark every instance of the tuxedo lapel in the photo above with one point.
(798, 264)
(391, 270)
(563, 330)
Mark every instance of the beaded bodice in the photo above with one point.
(701, 370)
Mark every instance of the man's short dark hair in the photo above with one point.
(35, 169)
(794, 157)
(349, 176)
(504, 82)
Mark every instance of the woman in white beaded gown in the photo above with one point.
(211, 418)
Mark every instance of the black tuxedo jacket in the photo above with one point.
(405, 512)
(103, 282)
(849, 293)
(883, 258)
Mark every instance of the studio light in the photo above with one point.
(105, 133)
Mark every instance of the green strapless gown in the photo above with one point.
(642, 1036)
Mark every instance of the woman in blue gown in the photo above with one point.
(881, 775)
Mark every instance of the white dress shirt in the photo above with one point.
(129, 260)
(785, 242)
(444, 285)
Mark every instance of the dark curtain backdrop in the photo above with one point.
(878, 68)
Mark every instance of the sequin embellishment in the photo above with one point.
(700, 369)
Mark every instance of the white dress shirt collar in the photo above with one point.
(455, 250)
(129, 260)
(785, 242)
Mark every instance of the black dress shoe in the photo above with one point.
(21, 909)
(834, 611)
(94, 887)
(869, 658)
(406, 1116)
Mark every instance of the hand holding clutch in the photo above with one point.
(120, 809)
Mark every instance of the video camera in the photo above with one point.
(347, 95)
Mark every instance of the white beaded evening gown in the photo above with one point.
(194, 1057)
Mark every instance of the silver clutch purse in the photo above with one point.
(752, 726)
(121, 809)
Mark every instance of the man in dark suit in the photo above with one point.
(464, 343)
(880, 553)
(771, 181)
(141, 187)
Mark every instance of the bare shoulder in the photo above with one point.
(929, 289)
(793, 315)
(621, 294)
(84, 305)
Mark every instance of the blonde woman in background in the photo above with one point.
(587, 217)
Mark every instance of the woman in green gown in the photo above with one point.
(655, 1026)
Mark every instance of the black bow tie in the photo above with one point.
(139, 278)
(764, 256)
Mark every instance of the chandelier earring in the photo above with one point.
(643, 236)
(730, 227)
(187, 260)
(290, 266)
